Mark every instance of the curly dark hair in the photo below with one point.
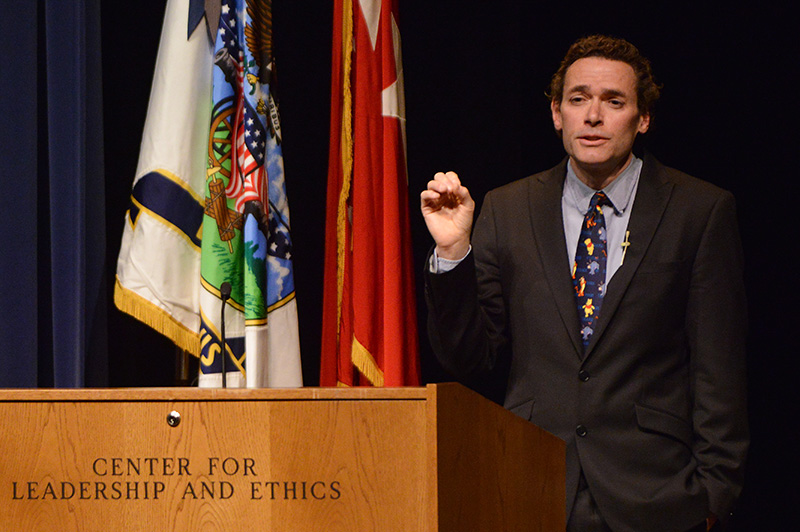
(647, 90)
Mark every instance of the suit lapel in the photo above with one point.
(548, 228)
(652, 196)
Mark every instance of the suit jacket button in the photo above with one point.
(583, 375)
(581, 431)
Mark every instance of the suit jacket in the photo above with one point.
(654, 411)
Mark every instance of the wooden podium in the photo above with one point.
(309, 459)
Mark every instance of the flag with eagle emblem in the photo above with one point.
(369, 328)
(209, 200)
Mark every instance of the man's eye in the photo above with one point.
(616, 103)
(576, 99)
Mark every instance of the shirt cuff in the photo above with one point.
(439, 265)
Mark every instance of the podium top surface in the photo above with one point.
(218, 394)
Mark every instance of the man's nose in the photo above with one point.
(594, 114)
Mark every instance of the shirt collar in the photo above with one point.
(620, 191)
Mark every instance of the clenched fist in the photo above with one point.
(448, 209)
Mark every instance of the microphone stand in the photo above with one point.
(225, 294)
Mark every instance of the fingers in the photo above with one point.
(441, 185)
(429, 196)
(445, 191)
(429, 200)
(445, 183)
(449, 186)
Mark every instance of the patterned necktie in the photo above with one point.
(589, 270)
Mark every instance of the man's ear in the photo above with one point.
(555, 109)
(644, 123)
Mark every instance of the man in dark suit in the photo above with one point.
(612, 287)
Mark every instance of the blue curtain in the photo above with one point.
(52, 201)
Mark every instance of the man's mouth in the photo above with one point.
(592, 139)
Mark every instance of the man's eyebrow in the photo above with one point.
(579, 88)
(606, 92)
(614, 92)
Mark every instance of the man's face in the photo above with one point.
(598, 117)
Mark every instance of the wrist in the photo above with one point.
(455, 251)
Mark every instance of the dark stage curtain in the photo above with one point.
(52, 289)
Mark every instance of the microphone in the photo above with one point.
(225, 294)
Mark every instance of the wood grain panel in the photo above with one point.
(286, 465)
(495, 471)
(303, 460)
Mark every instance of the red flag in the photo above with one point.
(369, 325)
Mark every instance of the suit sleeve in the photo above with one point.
(466, 312)
(715, 325)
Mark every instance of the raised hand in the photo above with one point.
(448, 210)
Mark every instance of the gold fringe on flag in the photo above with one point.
(159, 319)
(347, 157)
(364, 361)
